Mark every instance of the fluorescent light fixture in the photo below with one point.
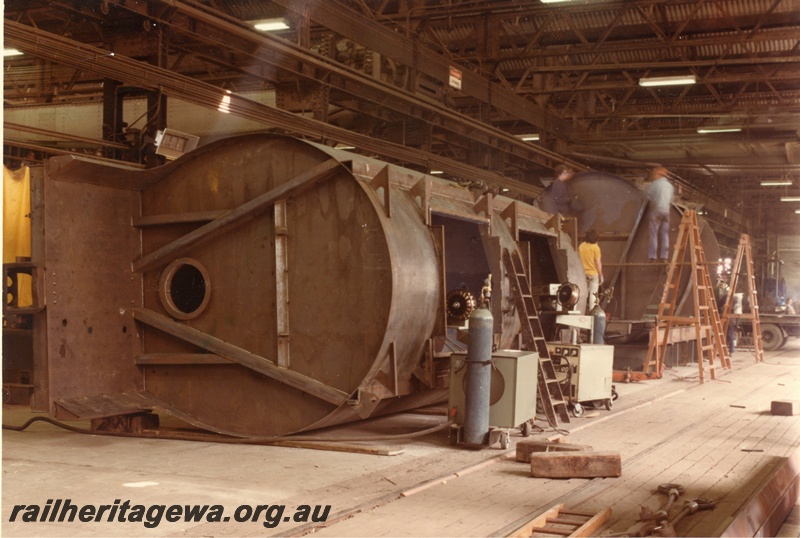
(436, 172)
(271, 25)
(342, 146)
(172, 144)
(781, 183)
(225, 103)
(529, 137)
(790, 198)
(12, 52)
(718, 129)
(681, 80)
(797, 211)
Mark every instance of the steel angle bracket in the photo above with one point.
(364, 403)
(485, 205)
(421, 194)
(425, 371)
(382, 181)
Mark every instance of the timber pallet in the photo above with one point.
(560, 521)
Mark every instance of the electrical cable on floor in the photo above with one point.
(556, 428)
(552, 425)
(229, 440)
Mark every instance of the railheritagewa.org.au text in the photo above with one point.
(151, 516)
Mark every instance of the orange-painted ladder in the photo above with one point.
(710, 338)
(744, 255)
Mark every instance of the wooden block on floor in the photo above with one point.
(528, 446)
(576, 464)
(785, 408)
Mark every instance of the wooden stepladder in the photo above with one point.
(688, 253)
(548, 388)
(744, 255)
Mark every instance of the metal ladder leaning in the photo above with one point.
(548, 388)
(705, 318)
(745, 253)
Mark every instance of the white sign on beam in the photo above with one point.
(455, 78)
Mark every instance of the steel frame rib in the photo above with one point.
(241, 356)
(234, 217)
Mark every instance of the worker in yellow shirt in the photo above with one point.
(589, 251)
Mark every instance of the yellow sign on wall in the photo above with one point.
(17, 224)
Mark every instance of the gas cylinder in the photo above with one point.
(479, 377)
(598, 324)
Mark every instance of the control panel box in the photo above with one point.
(512, 399)
(587, 369)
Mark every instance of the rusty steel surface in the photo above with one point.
(263, 285)
(617, 210)
(766, 510)
(89, 289)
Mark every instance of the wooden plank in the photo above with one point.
(104, 405)
(576, 464)
(566, 521)
(593, 524)
(551, 530)
(539, 521)
(689, 435)
(338, 446)
(236, 216)
(241, 356)
(710, 459)
(571, 511)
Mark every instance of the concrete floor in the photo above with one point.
(46, 463)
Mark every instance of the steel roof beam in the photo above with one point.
(407, 51)
(314, 68)
(118, 67)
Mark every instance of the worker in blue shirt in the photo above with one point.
(659, 193)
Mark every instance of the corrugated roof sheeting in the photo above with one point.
(646, 51)
(562, 26)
